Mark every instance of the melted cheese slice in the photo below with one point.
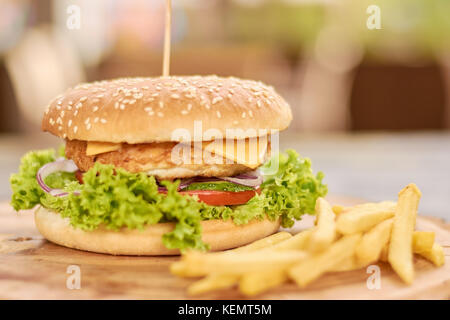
(249, 152)
(94, 147)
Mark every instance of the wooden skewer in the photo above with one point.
(166, 58)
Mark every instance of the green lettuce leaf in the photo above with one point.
(26, 191)
(115, 198)
(293, 190)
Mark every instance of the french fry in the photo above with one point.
(347, 265)
(253, 283)
(435, 255)
(212, 282)
(313, 267)
(179, 268)
(373, 242)
(325, 230)
(362, 218)
(200, 264)
(264, 242)
(338, 209)
(423, 241)
(296, 242)
(384, 253)
(400, 254)
(421, 244)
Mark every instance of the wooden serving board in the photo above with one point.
(33, 268)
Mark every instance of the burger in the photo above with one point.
(157, 166)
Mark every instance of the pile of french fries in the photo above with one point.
(342, 239)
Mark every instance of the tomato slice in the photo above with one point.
(221, 198)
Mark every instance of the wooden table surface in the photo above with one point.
(33, 268)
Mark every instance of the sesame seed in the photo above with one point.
(218, 114)
(175, 96)
(122, 107)
(258, 103)
(95, 109)
(160, 114)
(96, 120)
(83, 99)
(184, 112)
(75, 129)
(116, 105)
(189, 106)
(103, 120)
(161, 104)
(69, 124)
(87, 120)
(148, 109)
(75, 113)
(250, 113)
(216, 99)
(88, 126)
(235, 122)
(243, 114)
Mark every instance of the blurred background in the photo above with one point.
(371, 106)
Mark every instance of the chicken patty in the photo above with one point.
(153, 158)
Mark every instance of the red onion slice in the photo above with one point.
(60, 164)
(249, 179)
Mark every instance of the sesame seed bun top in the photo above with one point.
(139, 110)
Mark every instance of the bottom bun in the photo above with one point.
(219, 234)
